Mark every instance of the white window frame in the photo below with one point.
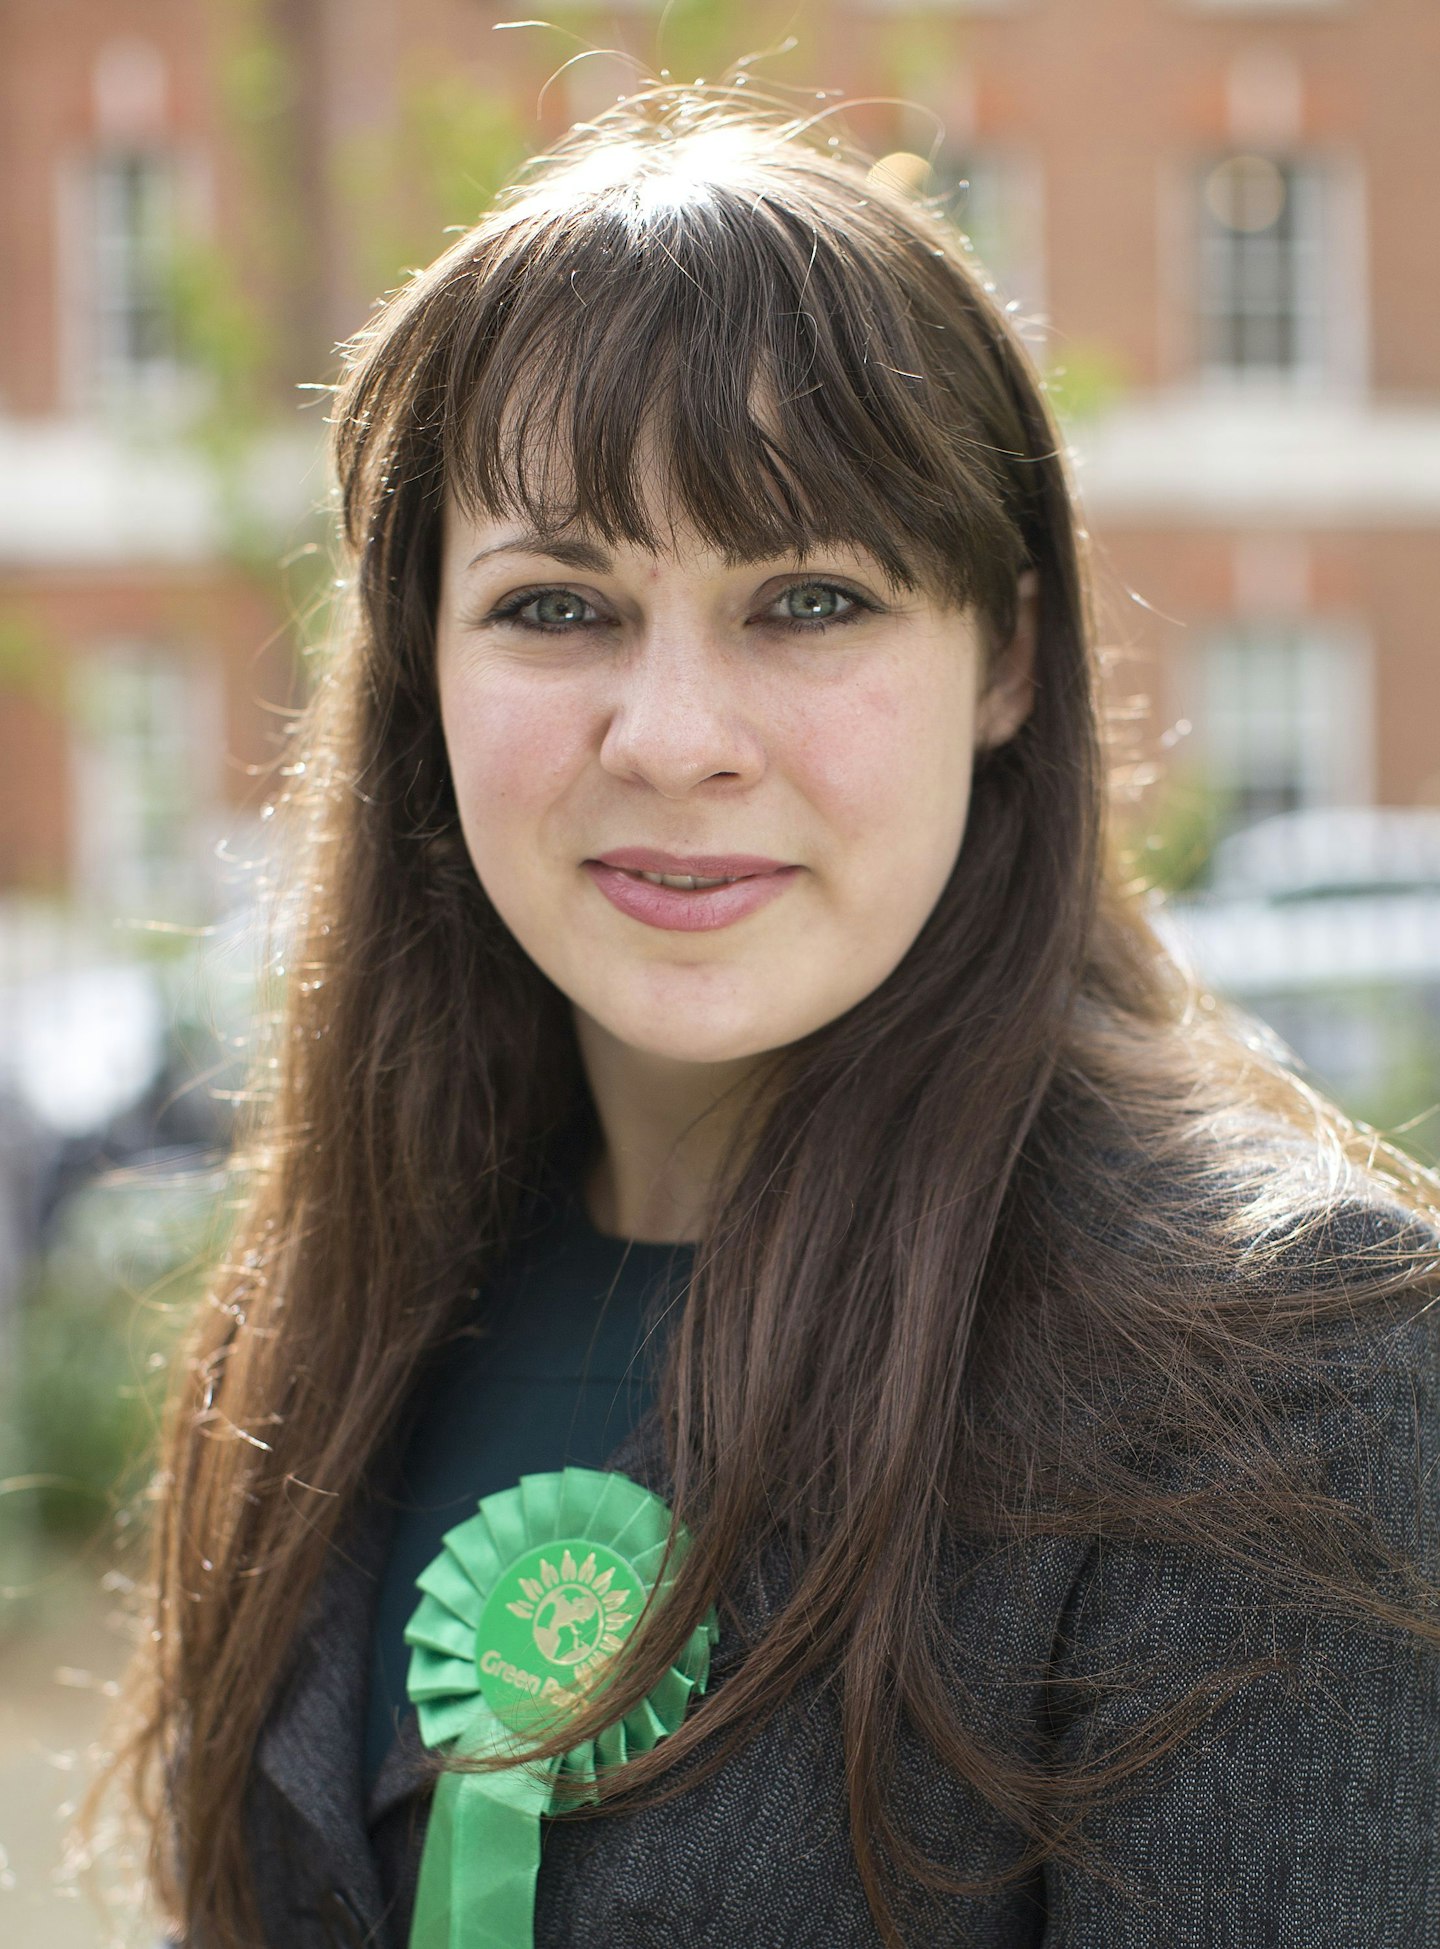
(177, 737)
(94, 376)
(1340, 356)
(1326, 717)
(1224, 260)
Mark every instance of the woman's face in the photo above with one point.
(801, 733)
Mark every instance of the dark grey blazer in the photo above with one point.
(1304, 1815)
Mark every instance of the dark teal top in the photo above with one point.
(563, 1368)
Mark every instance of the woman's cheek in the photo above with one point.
(511, 749)
(891, 772)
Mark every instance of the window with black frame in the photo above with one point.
(1261, 271)
(133, 230)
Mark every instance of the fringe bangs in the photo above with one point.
(783, 395)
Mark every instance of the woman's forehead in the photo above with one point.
(641, 504)
(475, 536)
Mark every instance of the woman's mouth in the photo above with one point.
(687, 895)
(686, 882)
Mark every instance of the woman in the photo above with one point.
(703, 962)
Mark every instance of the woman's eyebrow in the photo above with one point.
(573, 552)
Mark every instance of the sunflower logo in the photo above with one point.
(574, 1614)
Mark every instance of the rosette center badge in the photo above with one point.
(518, 1625)
(550, 1627)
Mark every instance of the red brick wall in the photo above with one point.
(1109, 97)
(211, 613)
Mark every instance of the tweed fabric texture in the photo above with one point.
(1303, 1814)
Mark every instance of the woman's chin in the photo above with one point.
(694, 1035)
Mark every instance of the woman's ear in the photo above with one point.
(1006, 701)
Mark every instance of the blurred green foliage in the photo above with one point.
(1174, 836)
(30, 665)
(1385, 1060)
(400, 189)
(1402, 1094)
(87, 1351)
(1084, 379)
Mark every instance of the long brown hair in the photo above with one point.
(1024, 1230)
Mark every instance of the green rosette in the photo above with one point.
(521, 1614)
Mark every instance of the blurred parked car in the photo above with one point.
(108, 1061)
(1326, 925)
(116, 1085)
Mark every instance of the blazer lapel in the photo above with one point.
(310, 1745)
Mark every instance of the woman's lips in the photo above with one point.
(751, 883)
(703, 866)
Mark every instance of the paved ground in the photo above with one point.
(57, 1651)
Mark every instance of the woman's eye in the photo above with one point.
(808, 607)
(813, 604)
(558, 609)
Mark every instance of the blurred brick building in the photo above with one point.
(1213, 215)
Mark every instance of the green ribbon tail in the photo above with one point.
(481, 1859)
(596, 1544)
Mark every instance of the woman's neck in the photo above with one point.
(665, 1127)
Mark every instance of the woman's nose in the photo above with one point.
(676, 717)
